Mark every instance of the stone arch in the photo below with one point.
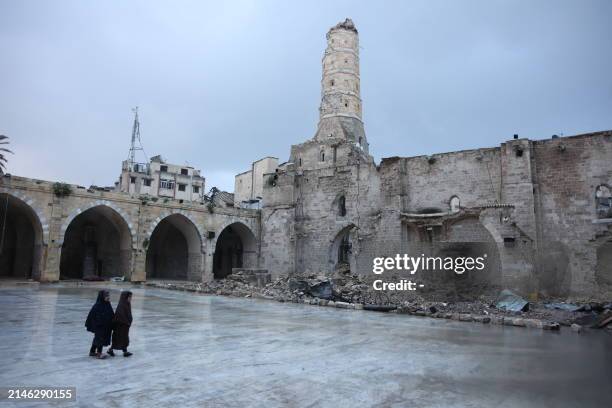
(22, 235)
(343, 249)
(235, 247)
(174, 249)
(163, 215)
(467, 238)
(96, 243)
(603, 201)
(339, 207)
(93, 204)
(454, 204)
(35, 207)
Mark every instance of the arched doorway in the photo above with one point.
(97, 245)
(20, 239)
(341, 256)
(174, 250)
(468, 238)
(235, 248)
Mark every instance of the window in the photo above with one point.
(455, 204)
(300, 162)
(344, 249)
(167, 184)
(359, 143)
(184, 172)
(182, 187)
(603, 201)
(322, 156)
(163, 168)
(196, 189)
(147, 182)
(342, 206)
(331, 82)
(133, 180)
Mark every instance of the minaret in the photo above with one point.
(340, 111)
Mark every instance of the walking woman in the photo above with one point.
(121, 325)
(99, 322)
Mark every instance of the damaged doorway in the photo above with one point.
(97, 245)
(235, 248)
(174, 250)
(20, 239)
(341, 256)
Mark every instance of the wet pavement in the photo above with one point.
(197, 350)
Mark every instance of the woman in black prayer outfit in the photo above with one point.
(100, 323)
(121, 325)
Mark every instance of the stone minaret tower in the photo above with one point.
(340, 111)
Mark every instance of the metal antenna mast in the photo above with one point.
(135, 139)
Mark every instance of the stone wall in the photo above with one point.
(134, 219)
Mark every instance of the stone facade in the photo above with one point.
(125, 227)
(530, 205)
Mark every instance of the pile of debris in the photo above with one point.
(345, 288)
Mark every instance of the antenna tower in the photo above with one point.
(136, 143)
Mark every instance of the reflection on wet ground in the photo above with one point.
(195, 350)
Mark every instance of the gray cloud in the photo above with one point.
(220, 84)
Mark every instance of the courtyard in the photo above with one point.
(197, 350)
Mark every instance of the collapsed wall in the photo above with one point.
(533, 207)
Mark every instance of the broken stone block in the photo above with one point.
(482, 319)
(576, 328)
(533, 323)
(554, 326)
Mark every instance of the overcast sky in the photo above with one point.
(220, 84)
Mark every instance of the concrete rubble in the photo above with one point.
(351, 291)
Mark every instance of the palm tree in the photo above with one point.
(3, 141)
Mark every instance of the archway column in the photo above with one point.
(195, 264)
(139, 273)
(207, 263)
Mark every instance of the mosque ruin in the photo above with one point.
(539, 209)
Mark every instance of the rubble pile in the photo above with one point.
(351, 291)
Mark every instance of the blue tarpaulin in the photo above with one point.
(508, 300)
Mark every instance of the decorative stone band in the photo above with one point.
(340, 70)
(346, 115)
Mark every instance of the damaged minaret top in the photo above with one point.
(340, 111)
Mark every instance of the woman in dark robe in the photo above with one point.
(100, 323)
(121, 325)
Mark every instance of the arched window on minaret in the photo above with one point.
(322, 156)
(342, 206)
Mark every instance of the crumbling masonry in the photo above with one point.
(540, 210)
